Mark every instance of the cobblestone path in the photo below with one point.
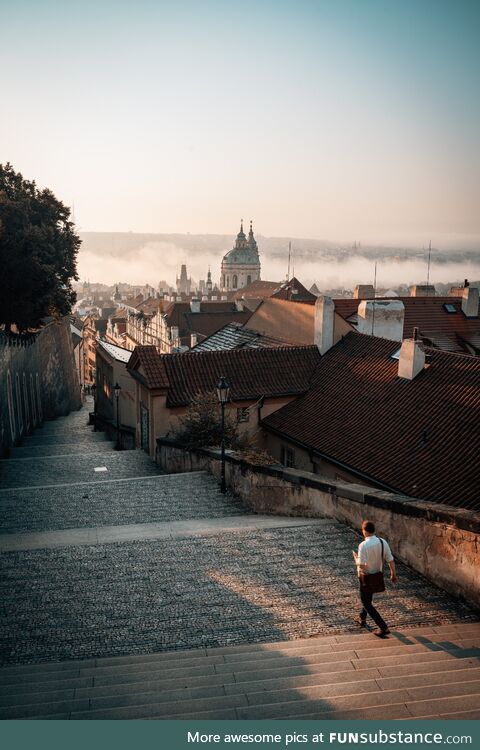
(132, 597)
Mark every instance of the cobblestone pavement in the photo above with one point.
(171, 497)
(136, 597)
(270, 585)
(53, 470)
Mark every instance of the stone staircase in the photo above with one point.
(422, 673)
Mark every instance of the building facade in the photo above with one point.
(241, 265)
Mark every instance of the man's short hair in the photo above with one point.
(368, 526)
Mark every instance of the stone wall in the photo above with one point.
(440, 542)
(38, 380)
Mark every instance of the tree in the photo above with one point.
(38, 249)
(202, 424)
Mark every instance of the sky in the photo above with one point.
(334, 119)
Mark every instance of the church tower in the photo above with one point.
(241, 265)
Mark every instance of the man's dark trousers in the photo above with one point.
(368, 608)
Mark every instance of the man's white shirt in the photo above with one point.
(370, 554)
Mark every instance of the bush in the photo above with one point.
(202, 424)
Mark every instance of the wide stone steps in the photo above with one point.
(86, 437)
(47, 471)
(61, 449)
(421, 673)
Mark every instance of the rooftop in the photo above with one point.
(234, 336)
(417, 437)
(451, 331)
(119, 354)
(252, 373)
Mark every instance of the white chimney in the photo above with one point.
(193, 340)
(363, 291)
(239, 305)
(382, 318)
(195, 305)
(174, 333)
(412, 358)
(470, 301)
(324, 322)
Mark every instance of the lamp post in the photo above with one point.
(94, 393)
(116, 390)
(223, 390)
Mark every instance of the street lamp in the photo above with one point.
(116, 390)
(223, 391)
(94, 393)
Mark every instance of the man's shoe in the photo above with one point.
(360, 622)
(381, 633)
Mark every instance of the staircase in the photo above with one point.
(424, 673)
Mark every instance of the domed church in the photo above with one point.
(241, 265)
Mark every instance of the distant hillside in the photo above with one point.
(128, 244)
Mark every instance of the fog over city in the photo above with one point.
(140, 258)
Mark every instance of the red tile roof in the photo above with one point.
(295, 291)
(147, 358)
(449, 331)
(252, 373)
(417, 437)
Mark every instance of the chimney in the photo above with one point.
(193, 340)
(412, 358)
(173, 333)
(223, 297)
(239, 305)
(364, 291)
(381, 317)
(195, 305)
(324, 322)
(422, 290)
(470, 300)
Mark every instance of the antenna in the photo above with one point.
(428, 266)
(374, 296)
(289, 256)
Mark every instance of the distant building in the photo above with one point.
(241, 265)
(184, 284)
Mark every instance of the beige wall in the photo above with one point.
(304, 460)
(166, 420)
(292, 321)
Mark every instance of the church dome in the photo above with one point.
(245, 251)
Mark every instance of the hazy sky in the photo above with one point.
(335, 119)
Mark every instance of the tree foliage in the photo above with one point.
(38, 249)
(202, 424)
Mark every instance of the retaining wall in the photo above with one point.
(440, 542)
(38, 380)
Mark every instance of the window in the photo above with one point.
(449, 308)
(396, 355)
(243, 414)
(234, 285)
(249, 280)
(288, 457)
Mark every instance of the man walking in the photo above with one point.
(369, 560)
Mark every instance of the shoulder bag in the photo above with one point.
(373, 583)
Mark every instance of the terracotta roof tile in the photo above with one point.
(417, 437)
(252, 373)
(449, 331)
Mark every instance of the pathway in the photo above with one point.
(105, 573)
